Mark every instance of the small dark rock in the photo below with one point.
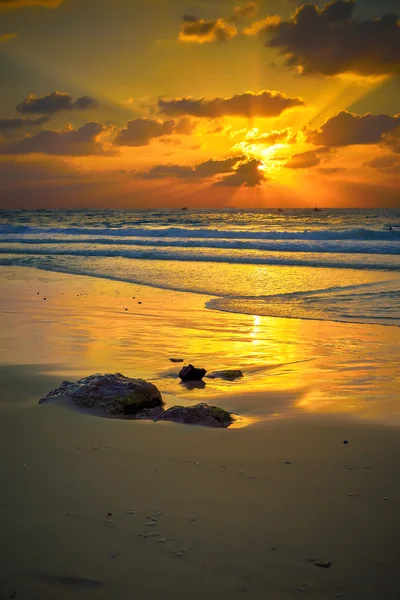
(345, 442)
(229, 374)
(139, 303)
(200, 414)
(176, 360)
(109, 514)
(323, 563)
(191, 373)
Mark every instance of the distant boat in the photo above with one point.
(316, 209)
(184, 208)
(280, 210)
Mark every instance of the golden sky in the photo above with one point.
(203, 103)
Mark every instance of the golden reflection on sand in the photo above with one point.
(290, 366)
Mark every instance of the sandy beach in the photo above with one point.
(103, 508)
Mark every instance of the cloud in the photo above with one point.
(201, 31)
(244, 12)
(345, 129)
(204, 170)
(5, 37)
(382, 163)
(277, 136)
(261, 26)
(20, 3)
(68, 142)
(392, 140)
(263, 104)
(330, 40)
(141, 131)
(54, 102)
(231, 172)
(304, 160)
(248, 174)
(18, 123)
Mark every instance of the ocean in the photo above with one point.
(333, 265)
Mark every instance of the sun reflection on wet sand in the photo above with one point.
(290, 366)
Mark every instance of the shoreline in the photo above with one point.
(291, 366)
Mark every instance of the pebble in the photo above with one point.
(223, 466)
(322, 563)
(70, 514)
(161, 540)
(197, 462)
(151, 524)
(192, 519)
(24, 465)
(368, 467)
(345, 442)
(386, 498)
(301, 589)
(95, 447)
(252, 477)
(240, 472)
(131, 512)
(178, 554)
(288, 462)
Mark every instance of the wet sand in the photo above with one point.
(237, 513)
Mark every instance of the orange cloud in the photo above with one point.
(201, 31)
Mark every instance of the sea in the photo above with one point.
(332, 264)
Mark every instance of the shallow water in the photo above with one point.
(339, 265)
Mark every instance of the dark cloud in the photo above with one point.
(345, 129)
(264, 104)
(312, 158)
(331, 40)
(237, 171)
(204, 170)
(17, 123)
(69, 142)
(20, 3)
(54, 102)
(248, 174)
(392, 140)
(382, 163)
(304, 160)
(201, 31)
(140, 132)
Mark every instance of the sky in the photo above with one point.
(199, 103)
